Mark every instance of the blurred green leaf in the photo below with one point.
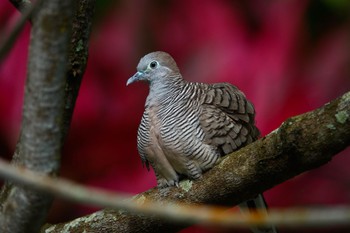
(341, 6)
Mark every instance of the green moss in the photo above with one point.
(49, 230)
(80, 46)
(342, 117)
(331, 126)
(186, 185)
(140, 200)
(346, 96)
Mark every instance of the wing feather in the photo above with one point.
(227, 118)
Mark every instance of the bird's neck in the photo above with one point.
(164, 91)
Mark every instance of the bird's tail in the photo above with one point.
(258, 203)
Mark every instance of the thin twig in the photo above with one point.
(22, 5)
(27, 9)
(181, 213)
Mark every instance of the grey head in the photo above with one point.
(155, 67)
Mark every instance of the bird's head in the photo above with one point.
(154, 67)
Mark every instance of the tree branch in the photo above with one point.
(40, 142)
(78, 56)
(281, 155)
(21, 5)
(27, 9)
(301, 143)
(176, 212)
(51, 92)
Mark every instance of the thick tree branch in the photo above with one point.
(40, 142)
(301, 143)
(51, 91)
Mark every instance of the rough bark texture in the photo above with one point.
(78, 56)
(40, 142)
(57, 62)
(301, 143)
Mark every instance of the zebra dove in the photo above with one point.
(187, 126)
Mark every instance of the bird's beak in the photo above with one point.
(136, 77)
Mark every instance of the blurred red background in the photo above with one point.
(289, 57)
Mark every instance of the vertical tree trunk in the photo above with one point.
(40, 142)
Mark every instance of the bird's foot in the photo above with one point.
(163, 183)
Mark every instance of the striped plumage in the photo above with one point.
(188, 126)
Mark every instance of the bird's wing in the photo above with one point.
(227, 118)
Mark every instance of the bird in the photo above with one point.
(188, 126)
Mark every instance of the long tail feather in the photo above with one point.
(260, 204)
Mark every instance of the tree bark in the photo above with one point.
(301, 143)
(78, 56)
(40, 143)
(56, 65)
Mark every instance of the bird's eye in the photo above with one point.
(153, 64)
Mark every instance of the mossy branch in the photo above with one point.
(300, 144)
